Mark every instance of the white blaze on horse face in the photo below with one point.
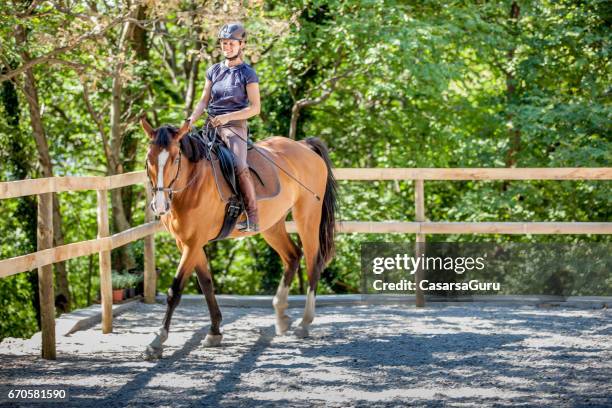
(161, 205)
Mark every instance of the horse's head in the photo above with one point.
(163, 162)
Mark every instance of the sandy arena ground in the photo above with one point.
(444, 355)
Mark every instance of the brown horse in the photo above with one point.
(187, 199)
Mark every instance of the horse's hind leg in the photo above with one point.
(290, 255)
(214, 336)
(188, 260)
(307, 215)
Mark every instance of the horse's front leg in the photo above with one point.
(188, 260)
(214, 336)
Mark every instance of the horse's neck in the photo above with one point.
(192, 182)
(193, 175)
(198, 209)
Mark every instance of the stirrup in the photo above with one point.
(246, 226)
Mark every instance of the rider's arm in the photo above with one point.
(255, 104)
(203, 103)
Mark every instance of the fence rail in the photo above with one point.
(427, 227)
(525, 173)
(13, 189)
(104, 243)
(24, 263)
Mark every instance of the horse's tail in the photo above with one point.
(327, 228)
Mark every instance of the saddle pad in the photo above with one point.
(263, 173)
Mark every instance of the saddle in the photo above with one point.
(263, 172)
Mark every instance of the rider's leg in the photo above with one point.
(235, 134)
(250, 201)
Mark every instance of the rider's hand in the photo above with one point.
(219, 120)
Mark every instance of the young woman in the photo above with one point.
(231, 95)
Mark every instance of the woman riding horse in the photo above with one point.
(229, 88)
(186, 198)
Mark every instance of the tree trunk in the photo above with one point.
(63, 299)
(17, 155)
(295, 115)
(129, 148)
(128, 35)
(192, 80)
(114, 166)
(514, 131)
(44, 159)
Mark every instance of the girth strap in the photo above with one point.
(233, 209)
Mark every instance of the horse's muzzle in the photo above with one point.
(165, 207)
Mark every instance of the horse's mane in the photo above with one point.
(192, 146)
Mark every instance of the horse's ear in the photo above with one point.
(182, 131)
(147, 127)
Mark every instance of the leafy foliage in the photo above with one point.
(396, 84)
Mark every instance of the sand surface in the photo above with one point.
(444, 355)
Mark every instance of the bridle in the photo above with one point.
(169, 189)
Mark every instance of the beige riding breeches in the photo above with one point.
(234, 134)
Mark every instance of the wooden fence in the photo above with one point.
(46, 255)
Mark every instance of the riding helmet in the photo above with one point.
(232, 31)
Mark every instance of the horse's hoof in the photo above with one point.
(151, 353)
(282, 325)
(213, 340)
(301, 332)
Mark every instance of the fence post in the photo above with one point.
(45, 276)
(106, 285)
(150, 275)
(419, 205)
